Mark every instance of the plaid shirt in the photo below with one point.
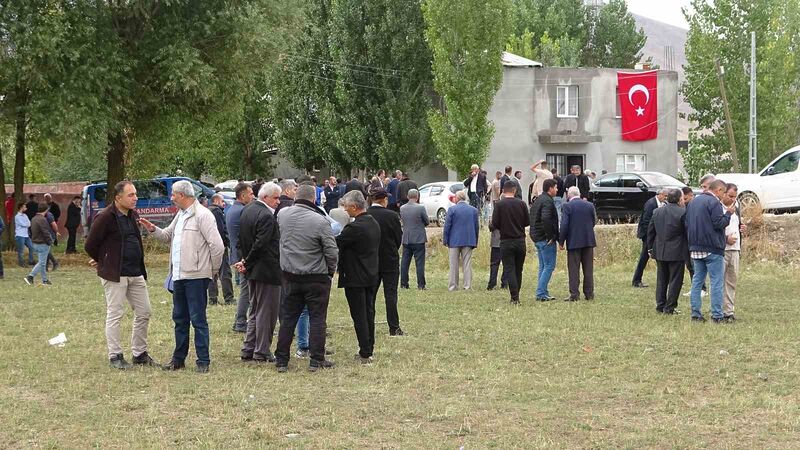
(700, 255)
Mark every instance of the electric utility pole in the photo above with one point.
(753, 159)
(728, 123)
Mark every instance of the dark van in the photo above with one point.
(154, 202)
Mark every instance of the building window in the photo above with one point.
(631, 163)
(567, 101)
(617, 105)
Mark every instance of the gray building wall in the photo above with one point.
(524, 115)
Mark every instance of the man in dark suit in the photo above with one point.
(355, 185)
(476, 186)
(403, 187)
(506, 176)
(578, 219)
(259, 247)
(333, 193)
(510, 217)
(667, 244)
(579, 179)
(73, 222)
(388, 258)
(391, 189)
(415, 219)
(358, 270)
(641, 233)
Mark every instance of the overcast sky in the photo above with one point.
(667, 11)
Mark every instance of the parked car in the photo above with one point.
(776, 188)
(622, 195)
(438, 197)
(154, 202)
(228, 197)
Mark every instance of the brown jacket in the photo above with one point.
(104, 244)
(201, 245)
(40, 230)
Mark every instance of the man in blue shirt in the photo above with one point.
(244, 195)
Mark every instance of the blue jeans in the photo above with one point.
(418, 251)
(189, 301)
(547, 263)
(42, 250)
(559, 201)
(714, 266)
(302, 330)
(23, 242)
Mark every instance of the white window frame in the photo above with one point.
(563, 91)
(617, 104)
(628, 162)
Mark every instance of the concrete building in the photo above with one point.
(571, 116)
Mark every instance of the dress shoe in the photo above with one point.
(404, 287)
(174, 365)
(118, 362)
(239, 330)
(730, 318)
(640, 285)
(247, 359)
(571, 299)
(47, 283)
(363, 360)
(282, 368)
(145, 360)
(269, 357)
(700, 319)
(396, 332)
(315, 365)
(201, 368)
(719, 320)
(590, 298)
(515, 302)
(213, 302)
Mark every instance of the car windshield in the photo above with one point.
(659, 179)
(456, 187)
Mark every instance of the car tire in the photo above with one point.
(748, 200)
(441, 216)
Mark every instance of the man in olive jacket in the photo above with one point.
(115, 246)
(358, 270)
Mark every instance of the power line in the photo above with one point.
(341, 81)
(335, 63)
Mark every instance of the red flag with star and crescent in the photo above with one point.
(638, 99)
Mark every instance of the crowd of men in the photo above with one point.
(286, 240)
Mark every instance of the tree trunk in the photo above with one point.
(248, 161)
(115, 157)
(19, 154)
(9, 229)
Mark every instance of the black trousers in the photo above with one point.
(390, 281)
(668, 284)
(299, 295)
(361, 301)
(494, 265)
(581, 258)
(513, 251)
(642, 264)
(73, 236)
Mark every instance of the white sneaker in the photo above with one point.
(703, 294)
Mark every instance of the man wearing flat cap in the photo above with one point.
(388, 258)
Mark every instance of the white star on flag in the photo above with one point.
(640, 111)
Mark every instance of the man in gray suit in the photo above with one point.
(668, 245)
(415, 219)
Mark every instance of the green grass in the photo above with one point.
(473, 371)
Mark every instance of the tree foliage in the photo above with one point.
(467, 39)
(722, 31)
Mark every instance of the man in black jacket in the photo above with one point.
(579, 179)
(259, 247)
(544, 233)
(288, 189)
(402, 189)
(641, 233)
(355, 185)
(666, 241)
(476, 187)
(73, 222)
(333, 193)
(388, 259)
(358, 270)
(224, 276)
(510, 217)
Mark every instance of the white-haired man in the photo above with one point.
(576, 233)
(476, 186)
(461, 237)
(196, 251)
(641, 232)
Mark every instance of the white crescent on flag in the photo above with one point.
(638, 88)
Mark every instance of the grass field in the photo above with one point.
(473, 372)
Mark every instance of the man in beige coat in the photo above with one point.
(196, 251)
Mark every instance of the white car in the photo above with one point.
(437, 198)
(776, 188)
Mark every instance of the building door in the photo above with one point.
(562, 163)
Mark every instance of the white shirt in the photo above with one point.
(177, 237)
(733, 230)
(659, 203)
(473, 187)
(268, 207)
(21, 225)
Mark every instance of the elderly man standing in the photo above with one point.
(666, 240)
(641, 233)
(578, 219)
(706, 221)
(115, 246)
(195, 256)
(733, 249)
(388, 260)
(415, 219)
(217, 208)
(461, 237)
(244, 195)
(259, 247)
(476, 186)
(358, 270)
(308, 258)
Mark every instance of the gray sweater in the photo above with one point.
(307, 243)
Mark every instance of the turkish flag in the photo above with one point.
(638, 100)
